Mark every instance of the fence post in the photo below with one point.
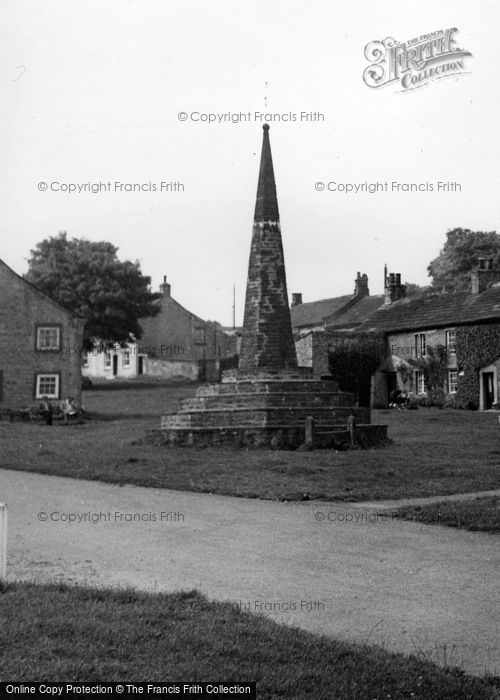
(309, 432)
(351, 427)
(3, 541)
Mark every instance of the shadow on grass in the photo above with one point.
(66, 632)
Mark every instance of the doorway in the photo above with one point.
(140, 364)
(115, 365)
(488, 390)
(391, 384)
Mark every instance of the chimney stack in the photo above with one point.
(165, 287)
(484, 275)
(361, 286)
(394, 290)
(296, 298)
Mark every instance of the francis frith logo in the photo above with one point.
(416, 62)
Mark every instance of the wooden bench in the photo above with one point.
(34, 414)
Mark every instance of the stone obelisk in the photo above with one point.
(270, 401)
(267, 340)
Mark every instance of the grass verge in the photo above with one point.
(479, 514)
(62, 633)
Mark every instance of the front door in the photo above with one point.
(488, 390)
(391, 383)
(140, 364)
(115, 365)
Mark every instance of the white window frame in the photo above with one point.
(50, 329)
(452, 382)
(420, 345)
(85, 362)
(126, 358)
(419, 382)
(107, 360)
(451, 341)
(46, 375)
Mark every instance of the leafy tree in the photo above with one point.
(87, 278)
(353, 358)
(450, 271)
(413, 290)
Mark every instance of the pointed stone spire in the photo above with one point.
(267, 339)
(266, 206)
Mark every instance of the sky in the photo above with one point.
(95, 92)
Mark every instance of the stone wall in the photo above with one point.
(177, 334)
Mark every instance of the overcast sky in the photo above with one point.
(91, 92)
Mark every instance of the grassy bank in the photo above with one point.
(479, 514)
(61, 633)
(434, 453)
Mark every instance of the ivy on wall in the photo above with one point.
(353, 358)
(434, 366)
(476, 347)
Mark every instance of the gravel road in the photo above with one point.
(323, 567)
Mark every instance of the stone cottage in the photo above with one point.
(176, 342)
(463, 327)
(40, 345)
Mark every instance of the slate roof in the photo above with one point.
(434, 311)
(4, 267)
(356, 314)
(314, 312)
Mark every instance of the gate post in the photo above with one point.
(3, 541)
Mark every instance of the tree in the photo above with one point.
(414, 290)
(88, 279)
(450, 271)
(353, 358)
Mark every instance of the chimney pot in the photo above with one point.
(361, 285)
(394, 289)
(165, 287)
(484, 275)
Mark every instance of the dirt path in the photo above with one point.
(405, 586)
(426, 500)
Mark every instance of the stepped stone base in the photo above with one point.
(291, 438)
(268, 411)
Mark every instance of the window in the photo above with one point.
(126, 358)
(452, 381)
(420, 345)
(107, 360)
(419, 382)
(450, 342)
(47, 385)
(48, 337)
(85, 359)
(199, 336)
